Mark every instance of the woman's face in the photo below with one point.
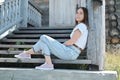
(79, 15)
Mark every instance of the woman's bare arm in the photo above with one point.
(74, 38)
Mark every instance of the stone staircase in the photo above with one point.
(24, 38)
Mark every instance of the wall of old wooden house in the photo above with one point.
(62, 12)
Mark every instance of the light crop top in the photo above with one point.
(81, 42)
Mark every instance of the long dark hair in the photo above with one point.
(85, 11)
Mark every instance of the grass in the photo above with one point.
(113, 63)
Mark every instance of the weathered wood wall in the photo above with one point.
(81, 3)
(62, 12)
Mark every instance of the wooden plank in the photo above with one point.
(91, 51)
(15, 46)
(43, 32)
(47, 28)
(99, 24)
(82, 3)
(96, 37)
(39, 60)
(24, 13)
(62, 13)
(9, 52)
(101, 59)
(37, 35)
(27, 40)
(12, 52)
(19, 40)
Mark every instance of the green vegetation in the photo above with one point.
(20, 43)
(113, 63)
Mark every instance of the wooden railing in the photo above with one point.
(34, 16)
(9, 14)
(18, 12)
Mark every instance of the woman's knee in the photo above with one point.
(42, 37)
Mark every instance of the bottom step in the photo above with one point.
(32, 74)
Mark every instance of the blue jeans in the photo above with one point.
(50, 46)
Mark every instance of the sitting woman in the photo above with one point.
(69, 50)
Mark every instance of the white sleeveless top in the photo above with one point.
(81, 42)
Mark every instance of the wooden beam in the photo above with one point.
(91, 48)
(96, 39)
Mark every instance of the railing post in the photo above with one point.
(24, 13)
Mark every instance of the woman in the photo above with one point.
(69, 50)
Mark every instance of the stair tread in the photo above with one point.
(18, 51)
(40, 60)
(37, 35)
(15, 46)
(43, 32)
(27, 40)
(46, 28)
(9, 52)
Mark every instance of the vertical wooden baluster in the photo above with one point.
(14, 11)
(0, 17)
(7, 13)
(18, 3)
(10, 12)
(12, 16)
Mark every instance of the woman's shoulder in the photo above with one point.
(82, 25)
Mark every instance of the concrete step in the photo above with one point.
(60, 74)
